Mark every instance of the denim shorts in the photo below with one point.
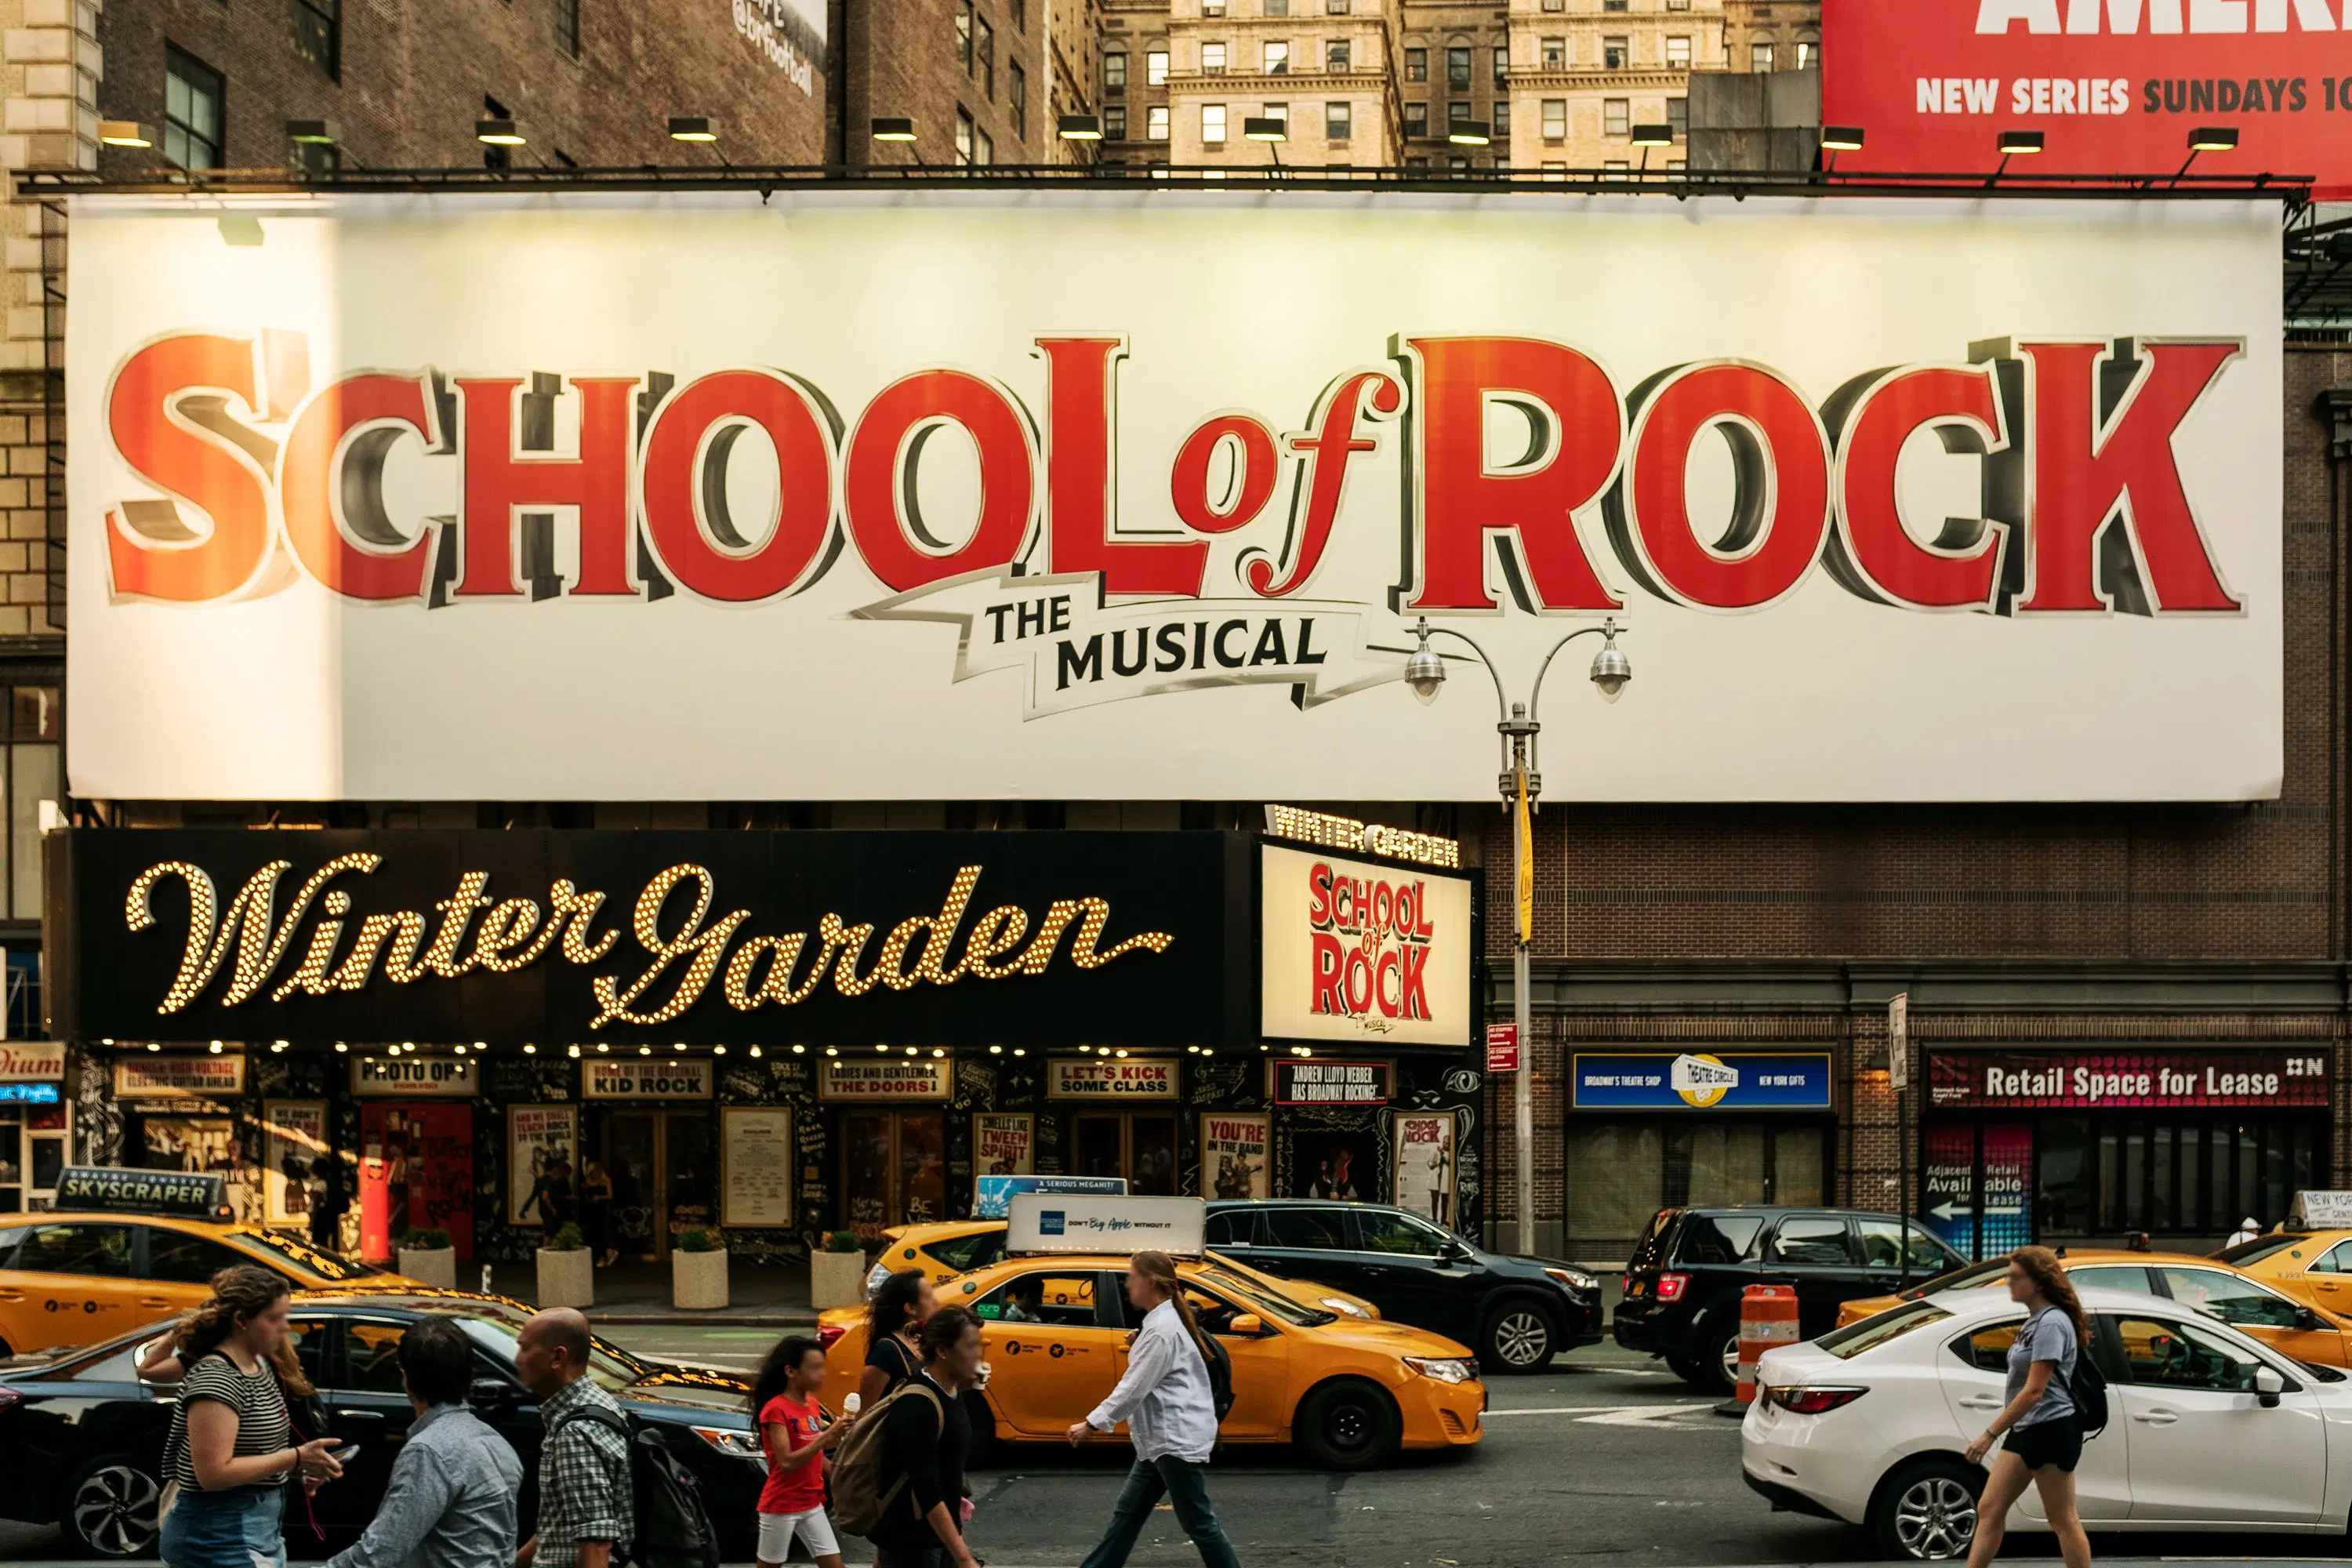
(239, 1528)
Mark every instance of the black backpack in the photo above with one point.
(2089, 1386)
(673, 1530)
(1221, 1373)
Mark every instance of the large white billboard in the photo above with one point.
(1090, 495)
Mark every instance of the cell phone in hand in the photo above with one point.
(347, 1453)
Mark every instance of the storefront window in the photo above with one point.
(1621, 1171)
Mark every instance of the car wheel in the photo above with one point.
(110, 1509)
(1697, 1374)
(1719, 1368)
(1349, 1426)
(1519, 1337)
(1927, 1511)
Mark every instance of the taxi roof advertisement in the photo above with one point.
(647, 497)
(2115, 86)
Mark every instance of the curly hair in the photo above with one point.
(893, 1306)
(2049, 1275)
(240, 1292)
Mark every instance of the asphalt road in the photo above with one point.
(1605, 1457)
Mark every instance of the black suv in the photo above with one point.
(1517, 1313)
(1682, 1286)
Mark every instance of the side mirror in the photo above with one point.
(1248, 1326)
(492, 1392)
(2308, 1320)
(2268, 1386)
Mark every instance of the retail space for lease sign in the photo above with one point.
(2117, 86)
(1907, 501)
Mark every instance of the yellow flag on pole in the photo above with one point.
(1525, 839)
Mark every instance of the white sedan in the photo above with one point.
(2207, 1429)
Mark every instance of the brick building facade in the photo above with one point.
(2051, 933)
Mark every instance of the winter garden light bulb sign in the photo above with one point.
(1137, 496)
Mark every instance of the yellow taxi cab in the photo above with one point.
(1348, 1392)
(2311, 1265)
(2259, 1307)
(943, 1251)
(133, 1248)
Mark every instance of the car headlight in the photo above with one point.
(734, 1442)
(1345, 1308)
(1576, 1279)
(1442, 1370)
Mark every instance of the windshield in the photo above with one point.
(1969, 1279)
(1265, 1304)
(496, 1329)
(1879, 1328)
(285, 1250)
(2261, 1246)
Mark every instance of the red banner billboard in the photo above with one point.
(2096, 1079)
(2115, 86)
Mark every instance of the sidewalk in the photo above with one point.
(761, 1295)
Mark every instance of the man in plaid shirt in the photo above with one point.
(587, 1510)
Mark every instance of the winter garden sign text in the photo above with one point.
(1913, 501)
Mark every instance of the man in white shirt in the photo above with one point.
(1172, 1418)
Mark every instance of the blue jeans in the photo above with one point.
(1185, 1485)
(239, 1528)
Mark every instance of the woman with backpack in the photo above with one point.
(1169, 1407)
(232, 1447)
(2043, 1427)
(901, 1480)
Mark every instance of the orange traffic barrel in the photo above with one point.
(1767, 1317)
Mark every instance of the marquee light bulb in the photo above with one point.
(529, 1049)
(602, 1048)
(797, 1050)
(832, 1051)
(679, 1046)
(755, 1050)
(1122, 1056)
(881, 1048)
(1019, 1051)
(341, 1048)
(644, 1050)
(939, 1053)
(153, 1046)
(996, 1050)
(573, 1052)
(215, 1048)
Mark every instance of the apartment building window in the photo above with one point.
(1277, 7)
(1616, 116)
(1555, 54)
(1760, 57)
(567, 26)
(1616, 53)
(1457, 67)
(1555, 5)
(963, 35)
(1416, 65)
(1457, 113)
(1617, 167)
(1555, 118)
(1020, 16)
(1016, 96)
(1338, 122)
(1212, 60)
(1809, 54)
(1114, 72)
(1674, 164)
(318, 32)
(1336, 54)
(1277, 57)
(983, 149)
(1615, 5)
(987, 47)
(1457, 162)
(317, 159)
(1277, 113)
(1213, 123)
(1678, 4)
(1334, 7)
(32, 734)
(1555, 169)
(193, 95)
(1155, 67)
(1678, 116)
(1416, 120)
(1678, 53)
(1502, 63)
(1114, 122)
(1155, 122)
(1499, 128)
(1416, 164)
(964, 131)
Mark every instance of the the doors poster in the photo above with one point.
(1423, 1163)
(416, 1172)
(1338, 1163)
(537, 1136)
(203, 1143)
(1004, 1144)
(294, 1159)
(1235, 1154)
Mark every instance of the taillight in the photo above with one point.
(828, 1332)
(10, 1396)
(1624, 1285)
(1805, 1401)
(1670, 1286)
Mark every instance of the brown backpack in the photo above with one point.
(860, 1497)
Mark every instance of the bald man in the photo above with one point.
(585, 1507)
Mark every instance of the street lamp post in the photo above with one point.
(1520, 783)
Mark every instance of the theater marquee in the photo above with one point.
(357, 517)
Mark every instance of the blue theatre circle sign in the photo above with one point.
(1700, 1080)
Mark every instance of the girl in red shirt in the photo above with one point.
(795, 1434)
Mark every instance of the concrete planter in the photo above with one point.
(697, 1280)
(837, 1280)
(430, 1266)
(567, 1278)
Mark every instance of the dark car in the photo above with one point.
(84, 1438)
(1684, 1284)
(1517, 1313)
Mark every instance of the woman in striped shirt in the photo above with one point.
(231, 1447)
